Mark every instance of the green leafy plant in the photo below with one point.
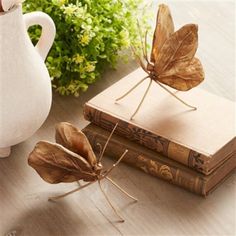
(90, 34)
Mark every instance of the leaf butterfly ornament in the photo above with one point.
(72, 159)
(172, 57)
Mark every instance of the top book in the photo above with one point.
(202, 139)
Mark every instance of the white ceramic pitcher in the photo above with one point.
(25, 87)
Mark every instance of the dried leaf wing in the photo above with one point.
(180, 46)
(75, 140)
(183, 75)
(56, 164)
(164, 28)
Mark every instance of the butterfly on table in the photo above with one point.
(71, 159)
(173, 60)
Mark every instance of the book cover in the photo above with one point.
(157, 165)
(201, 139)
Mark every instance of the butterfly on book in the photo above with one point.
(72, 159)
(173, 60)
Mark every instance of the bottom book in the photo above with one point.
(157, 165)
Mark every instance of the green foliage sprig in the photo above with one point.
(90, 33)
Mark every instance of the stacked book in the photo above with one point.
(194, 149)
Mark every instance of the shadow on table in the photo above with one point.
(173, 208)
(47, 219)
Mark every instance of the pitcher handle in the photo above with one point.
(48, 31)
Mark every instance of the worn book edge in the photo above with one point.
(189, 157)
(159, 166)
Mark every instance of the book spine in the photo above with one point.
(186, 179)
(177, 152)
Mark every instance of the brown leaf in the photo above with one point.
(180, 46)
(73, 139)
(56, 164)
(1, 9)
(164, 28)
(183, 75)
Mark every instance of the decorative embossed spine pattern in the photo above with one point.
(175, 151)
(188, 180)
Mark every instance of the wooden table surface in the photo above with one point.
(162, 209)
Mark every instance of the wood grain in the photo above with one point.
(162, 209)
